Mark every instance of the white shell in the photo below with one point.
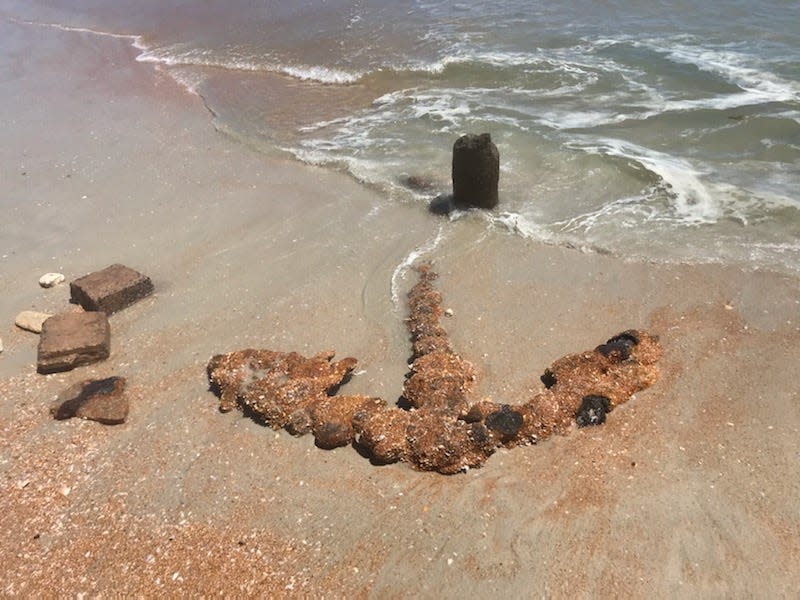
(49, 280)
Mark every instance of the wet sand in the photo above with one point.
(688, 490)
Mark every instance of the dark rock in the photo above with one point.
(548, 379)
(476, 171)
(476, 413)
(111, 289)
(101, 400)
(69, 340)
(631, 336)
(619, 346)
(418, 183)
(505, 423)
(592, 411)
(442, 205)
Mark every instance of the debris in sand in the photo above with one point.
(442, 429)
(69, 340)
(276, 385)
(101, 400)
(111, 289)
(31, 320)
(418, 183)
(49, 280)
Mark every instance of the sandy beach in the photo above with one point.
(690, 490)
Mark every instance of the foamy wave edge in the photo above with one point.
(203, 58)
(136, 40)
(735, 67)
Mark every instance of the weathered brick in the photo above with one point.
(110, 289)
(69, 340)
(100, 400)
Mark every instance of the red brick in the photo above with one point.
(111, 289)
(69, 340)
(101, 400)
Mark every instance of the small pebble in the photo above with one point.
(449, 312)
(49, 280)
(30, 320)
(1, 344)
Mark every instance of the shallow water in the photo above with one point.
(657, 131)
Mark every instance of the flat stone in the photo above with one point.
(31, 320)
(101, 400)
(110, 289)
(70, 340)
(49, 280)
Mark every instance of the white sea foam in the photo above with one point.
(794, 115)
(238, 59)
(577, 119)
(521, 225)
(363, 170)
(190, 81)
(638, 100)
(739, 69)
(692, 200)
(526, 227)
(412, 257)
(136, 40)
(748, 72)
(629, 212)
(320, 74)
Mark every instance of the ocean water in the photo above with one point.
(658, 131)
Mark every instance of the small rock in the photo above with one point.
(505, 422)
(1, 344)
(110, 289)
(49, 280)
(592, 411)
(100, 400)
(449, 312)
(70, 340)
(31, 320)
(442, 205)
(418, 183)
(620, 346)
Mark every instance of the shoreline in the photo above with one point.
(688, 489)
(513, 222)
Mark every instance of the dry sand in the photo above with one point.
(689, 490)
